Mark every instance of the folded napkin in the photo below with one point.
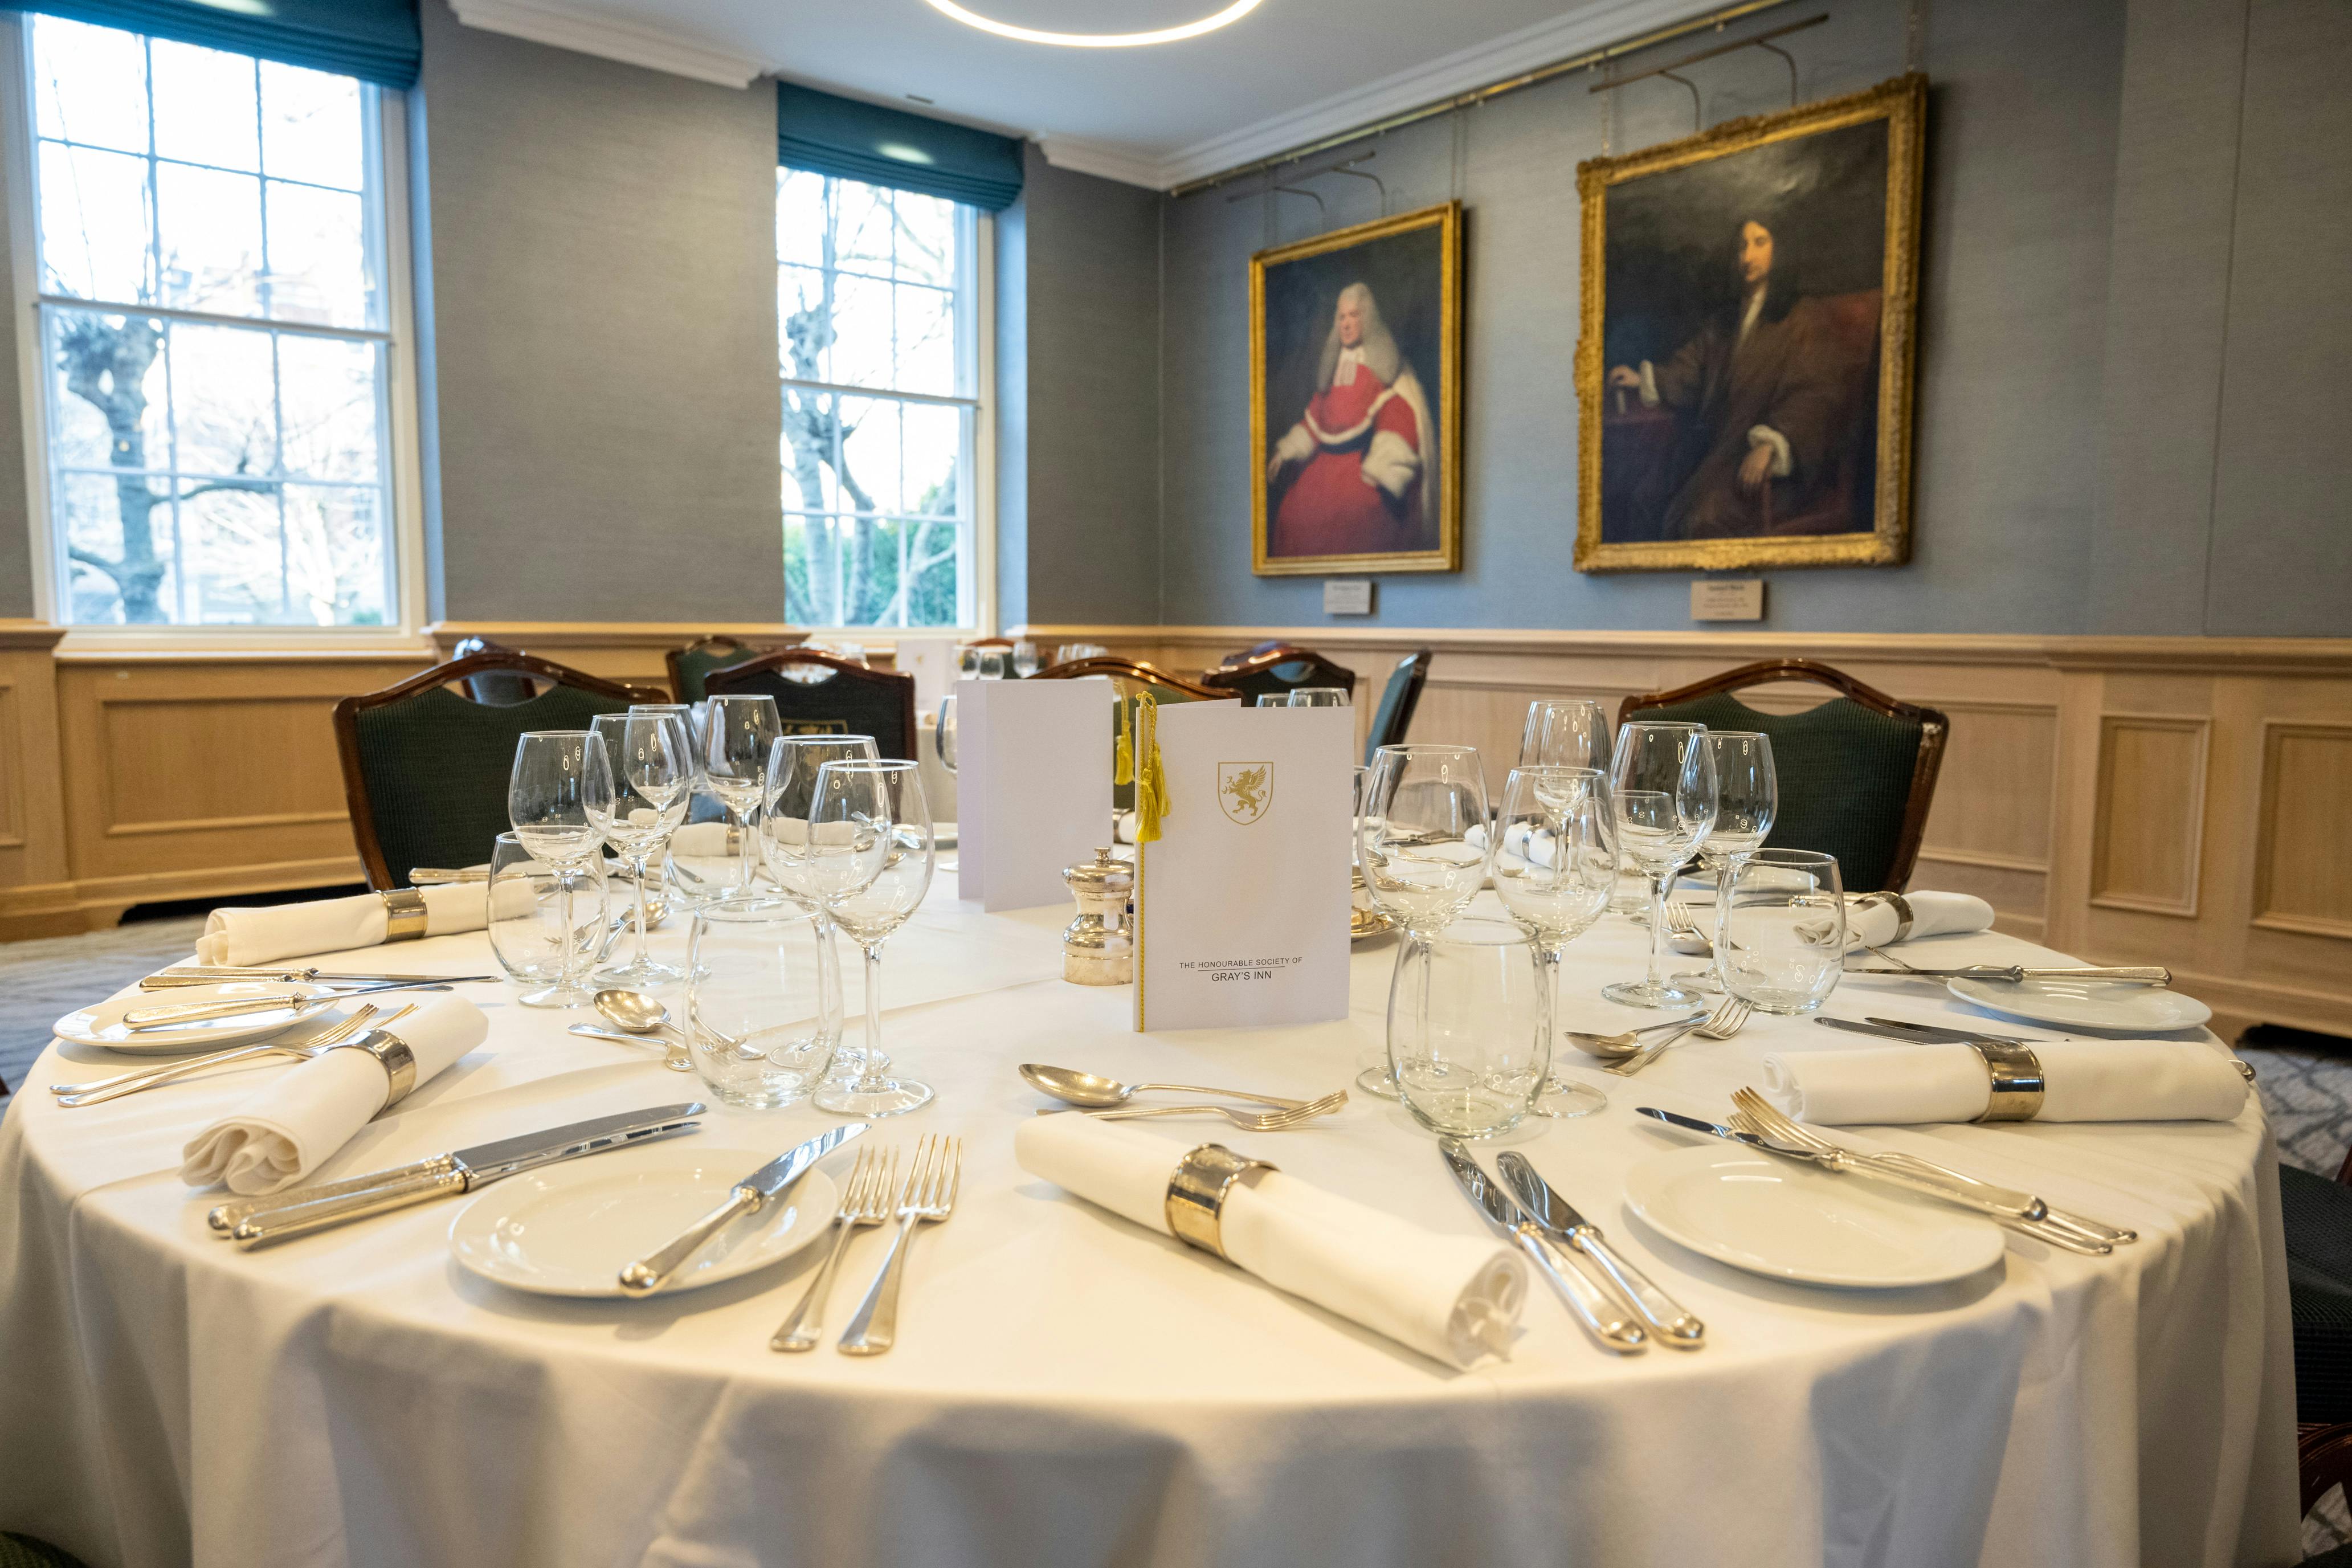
(1452, 1298)
(2085, 1080)
(289, 1128)
(702, 840)
(246, 937)
(1932, 914)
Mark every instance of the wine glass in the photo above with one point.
(787, 801)
(653, 773)
(1555, 867)
(1318, 697)
(1420, 843)
(1565, 733)
(869, 856)
(1747, 794)
(944, 735)
(561, 785)
(737, 737)
(1662, 790)
(1025, 658)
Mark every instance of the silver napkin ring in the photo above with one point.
(1196, 1195)
(393, 1053)
(1896, 901)
(2017, 1081)
(404, 910)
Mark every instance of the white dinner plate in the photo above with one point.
(1774, 1216)
(2085, 1003)
(102, 1024)
(570, 1229)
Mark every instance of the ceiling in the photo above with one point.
(1287, 73)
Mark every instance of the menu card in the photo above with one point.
(932, 662)
(1032, 787)
(1242, 903)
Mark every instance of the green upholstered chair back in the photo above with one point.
(1279, 672)
(433, 769)
(1846, 776)
(690, 667)
(1393, 717)
(849, 700)
(501, 687)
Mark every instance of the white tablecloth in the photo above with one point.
(1070, 1390)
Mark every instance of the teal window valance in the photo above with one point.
(853, 140)
(375, 40)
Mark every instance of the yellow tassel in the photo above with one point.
(1151, 778)
(1123, 756)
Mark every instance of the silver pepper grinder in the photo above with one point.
(1099, 948)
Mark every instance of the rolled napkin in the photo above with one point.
(289, 1128)
(2084, 1081)
(703, 840)
(1455, 1298)
(1873, 923)
(246, 937)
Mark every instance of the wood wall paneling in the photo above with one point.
(2303, 862)
(2147, 836)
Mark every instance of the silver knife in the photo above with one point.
(1669, 1323)
(299, 1211)
(1592, 1306)
(197, 974)
(772, 1180)
(1897, 1029)
(2013, 973)
(176, 1013)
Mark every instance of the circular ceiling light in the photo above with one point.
(1210, 24)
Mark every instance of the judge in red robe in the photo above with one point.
(1361, 463)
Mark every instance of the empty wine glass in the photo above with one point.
(1317, 697)
(869, 856)
(737, 737)
(1780, 935)
(787, 801)
(1470, 1028)
(1070, 652)
(1747, 794)
(653, 771)
(1420, 843)
(560, 786)
(1661, 792)
(1025, 658)
(1555, 866)
(1565, 733)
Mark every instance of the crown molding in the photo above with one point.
(610, 39)
(1108, 160)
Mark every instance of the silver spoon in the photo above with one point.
(1628, 1043)
(674, 1055)
(636, 1013)
(1087, 1088)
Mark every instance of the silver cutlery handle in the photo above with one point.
(133, 1082)
(1669, 1323)
(2001, 1203)
(1592, 1305)
(2152, 974)
(223, 1218)
(2057, 1235)
(1131, 1112)
(875, 1329)
(198, 1012)
(1627, 1068)
(648, 1274)
(1228, 1093)
(274, 1224)
(2089, 1229)
(802, 1330)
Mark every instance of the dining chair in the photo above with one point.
(1129, 679)
(690, 667)
(1857, 774)
(25, 1551)
(820, 694)
(1399, 698)
(1279, 671)
(426, 763)
(2316, 1214)
(499, 687)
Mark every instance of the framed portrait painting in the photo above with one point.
(1744, 365)
(1356, 399)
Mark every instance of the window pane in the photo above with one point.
(94, 236)
(310, 127)
(934, 454)
(204, 106)
(223, 401)
(813, 431)
(331, 390)
(119, 541)
(926, 340)
(237, 564)
(109, 400)
(318, 256)
(861, 233)
(90, 84)
(804, 320)
(337, 533)
(211, 225)
(861, 332)
(801, 199)
(926, 240)
(871, 454)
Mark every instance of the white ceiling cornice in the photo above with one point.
(1107, 159)
(626, 42)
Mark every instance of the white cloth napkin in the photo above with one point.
(245, 937)
(2085, 1080)
(1452, 1298)
(701, 840)
(1932, 914)
(289, 1128)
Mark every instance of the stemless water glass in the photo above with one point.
(524, 918)
(869, 856)
(1662, 791)
(1779, 934)
(561, 785)
(1748, 796)
(1565, 733)
(1555, 866)
(1420, 843)
(1318, 697)
(762, 1001)
(653, 771)
(1470, 1028)
(737, 737)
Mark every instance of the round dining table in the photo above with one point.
(1068, 1388)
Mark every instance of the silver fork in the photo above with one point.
(933, 1178)
(865, 1200)
(98, 1091)
(1720, 1025)
(1247, 1120)
(1682, 920)
(1790, 1134)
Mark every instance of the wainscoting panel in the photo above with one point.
(2149, 834)
(2302, 879)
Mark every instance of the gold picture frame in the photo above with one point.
(1301, 281)
(1875, 465)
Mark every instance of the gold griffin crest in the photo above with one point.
(1245, 790)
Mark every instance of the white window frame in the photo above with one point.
(403, 631)
(979, 355)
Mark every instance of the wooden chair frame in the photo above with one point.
(1136, 670)
(673, 659)
(1229, 675)
(459, 672)
(843, 670)
(1935, 729)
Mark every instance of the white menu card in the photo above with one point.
(1032, 787)
(932, 662)
(1241, 904)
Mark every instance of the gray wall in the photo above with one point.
(2130, 416)
(15, 523)
(604, 336)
